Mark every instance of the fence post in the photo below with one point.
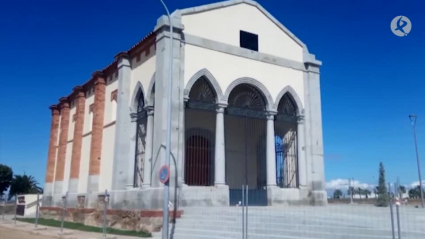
(391, 210)
(64, 198)
(37, 210)
(243, 211)
(351, 190)
(105, 208)
(246, 212)
(397, 207)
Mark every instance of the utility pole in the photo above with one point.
(165, 215)
(413, 118)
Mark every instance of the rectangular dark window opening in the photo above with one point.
(249, 40)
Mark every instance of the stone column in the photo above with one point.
(63, 141)
(147, 174)
(271, 151)
(162, 75)
(80, 101)
(51, 155)
(302, 170)
(123, 129)
(313, 131)
(97, 131)
(220, 163)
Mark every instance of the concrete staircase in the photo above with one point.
(293, 223)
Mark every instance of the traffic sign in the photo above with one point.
(164, 174)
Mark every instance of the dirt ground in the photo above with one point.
(6, 233)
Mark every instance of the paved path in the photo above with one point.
(8, 233)
(8, 230)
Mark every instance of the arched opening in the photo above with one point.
(141, 121)
(286, 143)
(245, 144)
(200, 118)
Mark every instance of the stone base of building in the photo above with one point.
(277, 196)
(146, 220)
(149, 198)
(204, 196)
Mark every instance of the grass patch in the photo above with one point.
(82, 227)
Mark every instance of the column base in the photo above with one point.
(204, 196)
(93, 183)
(146, 186)
(58, 187)
(48, 189)
(277, 196)
(319, 198)
(73, 185)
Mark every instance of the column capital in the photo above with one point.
(54, 109)
(121, 55)
(220, 107)
(64, 103)
(98, 77)
(149, 110)
(300, 119)
(271, 114)
(79, 91)
(122, 59)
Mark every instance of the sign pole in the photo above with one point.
(105, 208)
(63, 210)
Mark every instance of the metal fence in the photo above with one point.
(339, 219)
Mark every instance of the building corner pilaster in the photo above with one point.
(313, 131)
(122, 154)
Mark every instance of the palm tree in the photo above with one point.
(23, 184)
(367, 192)
(337, 194)
(359, 191)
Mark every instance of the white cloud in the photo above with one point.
(343, 184)
(414, 184)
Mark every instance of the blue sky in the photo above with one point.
(371, 79)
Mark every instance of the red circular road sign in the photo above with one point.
(164, 174)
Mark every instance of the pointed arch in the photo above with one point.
(256, 84)
(150, 94)
(211, 80)
(293, 96)
(135, 97)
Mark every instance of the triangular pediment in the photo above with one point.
(232, 3)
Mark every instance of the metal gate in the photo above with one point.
(246, 155)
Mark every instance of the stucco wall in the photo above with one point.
(227, 68)
(67, 167)
(224, 25)
(111, 86)
(71, 122)
(84, 164)
(106, 165)
(142, 71)
(87, 117)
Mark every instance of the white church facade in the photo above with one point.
(246, 110)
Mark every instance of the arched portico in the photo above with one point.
(246, 141)
(268, 99)
(142, 119)
(201, 99)
(289, 140)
